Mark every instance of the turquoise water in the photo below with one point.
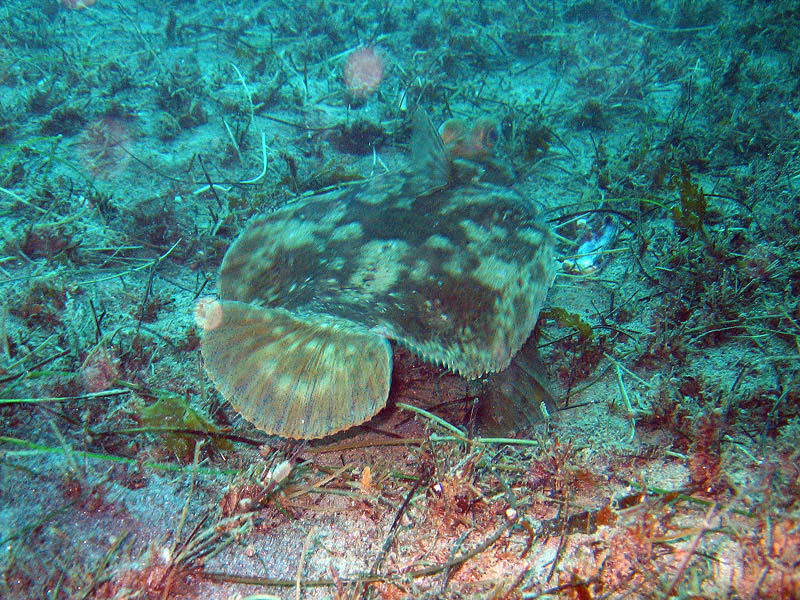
(658, 142)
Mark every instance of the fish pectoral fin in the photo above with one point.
(293, 375)
(517, 396)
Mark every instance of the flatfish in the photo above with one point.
(310, 294)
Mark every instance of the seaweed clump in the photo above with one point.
(692, 212)
(359, 138)
(183, 423)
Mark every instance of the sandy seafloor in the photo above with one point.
(676, 365)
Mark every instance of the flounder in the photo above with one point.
(310, 294)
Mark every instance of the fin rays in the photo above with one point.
(430, 164)
(299, 377)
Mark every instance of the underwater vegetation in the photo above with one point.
(656, 141)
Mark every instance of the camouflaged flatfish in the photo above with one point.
(454, 270)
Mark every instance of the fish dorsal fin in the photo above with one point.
(430, 165)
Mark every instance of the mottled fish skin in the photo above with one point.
(457, 275)
(457, 272)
